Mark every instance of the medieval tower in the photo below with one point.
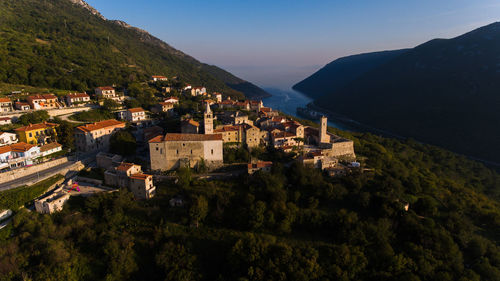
(208, 119)
(323, 136)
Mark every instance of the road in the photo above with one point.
(34, 177)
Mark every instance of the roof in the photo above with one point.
(105, 88)
(198, 88)
(125, 166)
(166, 104)
(171, 98)
(22, 103)
(265, 109)
(38, 126)
(191, 122)
(77, 95)
(4, 118)
(187, 137)
(136, 109)
(158, 76)
(260, 164)
(100, 125)
(49, 146)
(5, 100)
(5, 149)
(228, 128)
(140, 176)
(21, 147)
(42, 97)
(283, 135)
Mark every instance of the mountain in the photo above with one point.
(67, 44)
(444, 92)
(340, 72)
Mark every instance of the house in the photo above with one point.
(173, 100)
(163, 107)
(135, 114)
(256, 105)
(188, 87)
(7, 138)
(189, 126)
(234, 118)
(5, 120)
(198, 91)
(259, 166)
(129, 175)
(218, 96)
(50, 148)
(156, 78)
(318, 160)
(107, 160)
(22, 154)
(166, 89)
(95, 136)
(46, 101)
(5, 105)
(37, 133)
(105, 92)
(77, 99)
(22, 105)
(230, 133)
(172, 151)
(51, 203)
(152, 132)
(282, 139)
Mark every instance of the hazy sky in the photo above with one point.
(276, 43)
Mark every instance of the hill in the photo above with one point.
(444, 92)
(68, 45)
(294, 223)
(337, 74)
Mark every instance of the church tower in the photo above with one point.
(208, 119)
(323, 136)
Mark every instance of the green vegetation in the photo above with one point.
(294, 223)
(6, 88)
(93, 173)
(60, 45)
(17, 197)
(34, 117)
(93, 115)
(123, 143)
(66, 133)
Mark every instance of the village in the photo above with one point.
(201, 128)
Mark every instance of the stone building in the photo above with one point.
(243, 133)
(323, 136)
(51, 203)
(95, 136)
(162, 107)
(172, 151)
(130, 176)
(259, 166)
(5, 105)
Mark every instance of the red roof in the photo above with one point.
(42, 97)
(105, 88)
(125, 166)
(77, 95)
(21, 147)
(260, 164)
(187, 137)
(100, 125)
(137, 109)
(191, 122)
(5, 100)
(158, 76)
(4, 118)
(5, 149)
(171, 98)
(229, 128)
(39, 126)
(166, 103)
(49, 146)
(140, 176)
(279, 135)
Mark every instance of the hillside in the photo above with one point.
(337, 74)
(59, 44)
(444, 92)
(294, 223)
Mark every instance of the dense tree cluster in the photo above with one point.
(294, 223)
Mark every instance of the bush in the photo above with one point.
(17, 197)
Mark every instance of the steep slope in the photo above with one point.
(340, 72)
(444, 92)
(68, 45)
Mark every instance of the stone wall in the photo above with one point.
(343, 148)
(22, 172)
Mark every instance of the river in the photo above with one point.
(287, 101)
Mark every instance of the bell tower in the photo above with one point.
(323, 136)
(208, 119)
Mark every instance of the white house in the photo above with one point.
(158, 78)
(171, 100)
(75, 99)
(135, 114)
(198, 91)
(50, 148)
(5, 121)
(7, 138)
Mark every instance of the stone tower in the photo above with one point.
(208, 119)
(323, 136)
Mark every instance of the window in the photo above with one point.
(212, 152)
(31, 135)
(191, 151)
(177, 151)
(156, 148)
(161, 150)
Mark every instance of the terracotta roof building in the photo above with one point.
(95, 136)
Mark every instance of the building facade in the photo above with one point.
(37, 133)
(172, 151)
(77, 99)
(5, 105)
(95, 136)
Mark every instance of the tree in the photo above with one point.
(123, 143)
(178, 263)
(35, 117)
(198, 210)
(110, 105)
(65, 134)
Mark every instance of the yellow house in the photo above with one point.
(36, 133)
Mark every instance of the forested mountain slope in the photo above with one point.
(445, 92)
(337, 74)
(64, 45)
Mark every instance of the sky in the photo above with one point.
(277, 43)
